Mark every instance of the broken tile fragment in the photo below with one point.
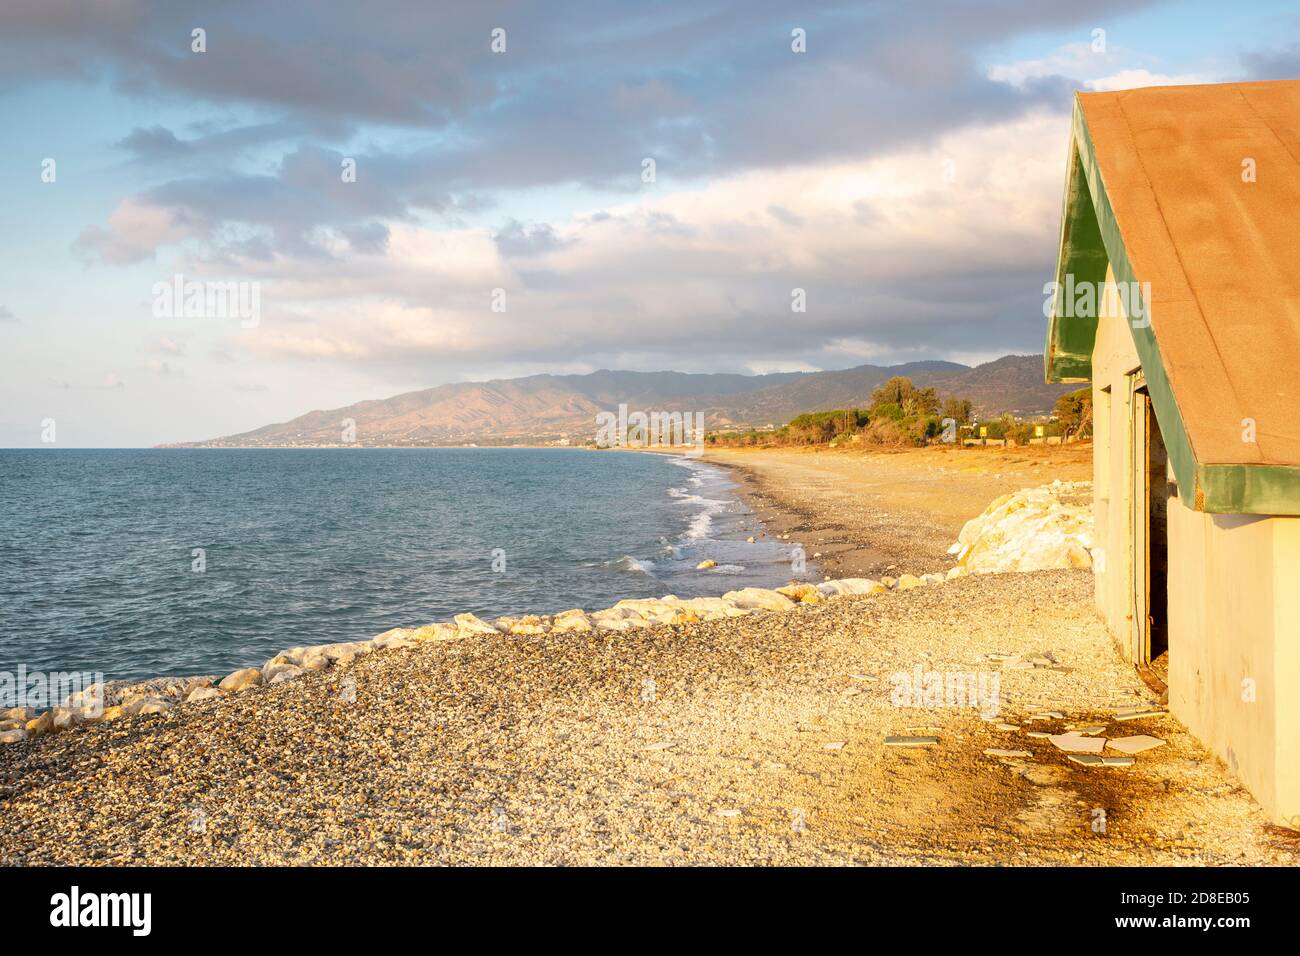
(1038, 734)
(911, 741)
(1134, 713)
(1092, 760)
(1076, 743)
(834, 745)
(728, 813)
(1136, 744)
(999, 752)
(1008, 727)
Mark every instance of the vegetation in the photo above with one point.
(901, 414)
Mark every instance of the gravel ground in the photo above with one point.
(741, 741)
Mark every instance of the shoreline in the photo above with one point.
(661, 732)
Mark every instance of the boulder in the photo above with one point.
(13, 736)
(202, 693)
(908, 581)
(271, 671)
(956, 572)
(241, 679)
(528, 624)
(574, 620)
(43, 724)
(759, 598)
(12, 724)
(803, 593)
(469, 624)
(287, 673)
(1034, 529)
(112, 713)
(435, 632)
(17, 713)
(64, 718)
(851, 586)
(155, 705)
(397, 637)
(314, 659)
(706, 565)
(713, 608)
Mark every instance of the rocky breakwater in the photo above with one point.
(121, 700)
(1034, 529)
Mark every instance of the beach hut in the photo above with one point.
(1177, 296)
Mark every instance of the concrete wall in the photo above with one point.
(1234, 601)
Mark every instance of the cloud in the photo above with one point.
(6, 314)
(962, 238)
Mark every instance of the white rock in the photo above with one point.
(469, 624)
(285, 674)
(202, 693)
(241, 679)
(759, 598)
(851, 586)
(17, 735)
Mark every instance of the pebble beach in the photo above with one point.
(759, 727)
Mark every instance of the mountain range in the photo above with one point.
(562, 408)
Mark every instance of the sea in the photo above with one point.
(162, 562)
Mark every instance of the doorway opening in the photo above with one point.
(1150, 540)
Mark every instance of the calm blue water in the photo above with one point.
(314, 546)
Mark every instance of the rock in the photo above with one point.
(933, 578)
(202, 693)
(956, 572)
(343, 654)
(469, 624)
(705, 565)
(911, 741)
(241, 679)
(435, 632)
(17, 713)
(998, 752)
(112, 713)
(851, 586)
(41, 725)
(314, 659)
(572, 620)
(271, 671)
(1008, 727)
(287, 673)
(64, 718)
(759, 598)
(1033, 529)
(834, 745)
(1076, 743)
(154, 705)
(888, 582)
(17, 735)
(12, 724)
(803, 593)
(392, 639)
(908, 581)
(1135, 745)
(713, 608)
(750, 540)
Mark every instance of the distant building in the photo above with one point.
(1181, 205)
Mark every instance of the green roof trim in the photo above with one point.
(1091, 240)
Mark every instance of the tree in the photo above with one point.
(1074, 411)
(958, 409)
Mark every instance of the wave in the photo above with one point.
(634, 565)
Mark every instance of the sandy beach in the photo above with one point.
(757, 739)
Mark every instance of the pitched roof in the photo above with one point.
(1159, 188)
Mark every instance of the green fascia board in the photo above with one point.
(1090, 240)
(1067, 356)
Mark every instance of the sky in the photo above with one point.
(411, 193)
